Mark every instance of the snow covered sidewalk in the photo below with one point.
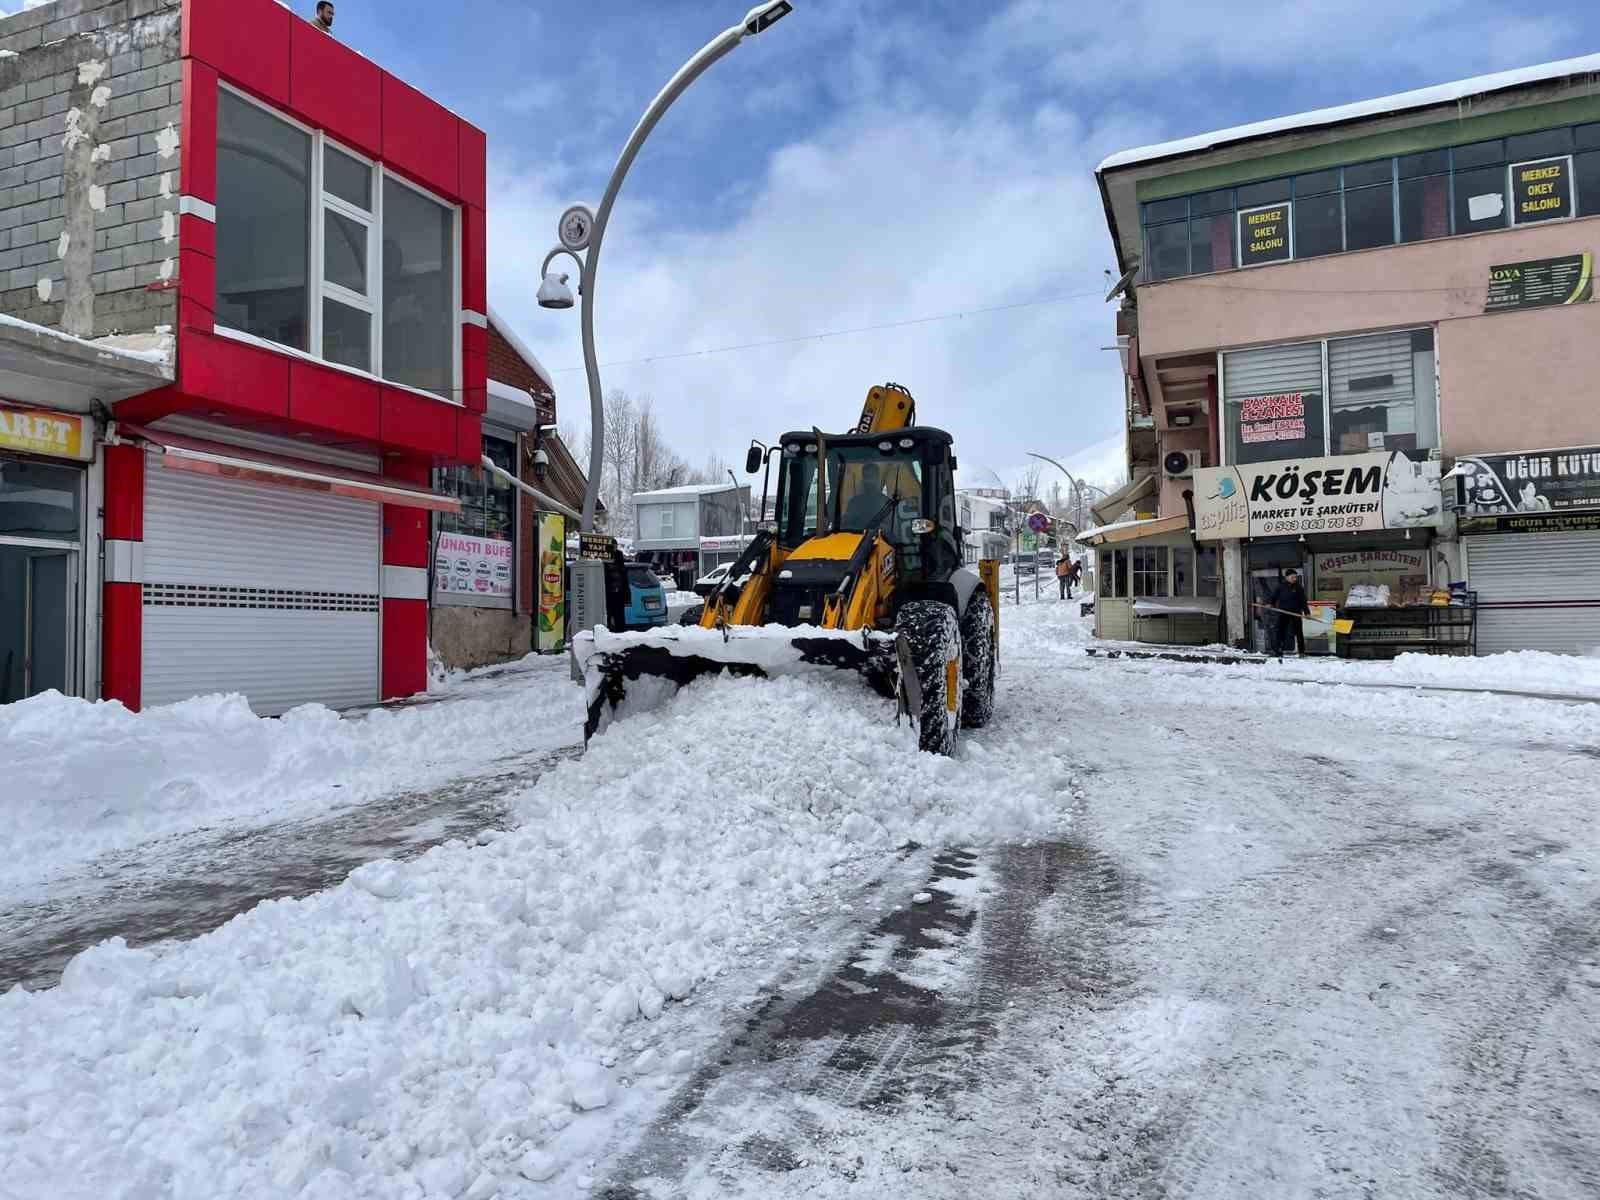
(85, 780)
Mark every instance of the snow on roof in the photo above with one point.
(153, 349)
(688, 489)
(1101, 530)
(521, 347)
(1443, 93)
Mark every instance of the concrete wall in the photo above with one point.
(475, 637)
(1508, 381)
(89, 182)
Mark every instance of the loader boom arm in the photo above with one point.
(887, 409)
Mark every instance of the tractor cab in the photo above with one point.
(900, 484)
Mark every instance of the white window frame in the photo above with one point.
(1511, 195)
(318, 287)
(1224, 438)
(668, 523)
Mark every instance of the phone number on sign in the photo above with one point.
(1310, 524)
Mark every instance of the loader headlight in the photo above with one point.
(923, 525)
(886, 447)
(907, 443)
(811, 447)
(792, 448)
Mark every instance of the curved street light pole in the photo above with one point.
(1077, 488)
(755, 21)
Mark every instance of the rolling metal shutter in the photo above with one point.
(1536, 591)
(269, 591)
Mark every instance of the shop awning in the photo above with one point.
(1124, 496)
(182, 453)
(1132, 531)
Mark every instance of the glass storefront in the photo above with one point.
(41, 520)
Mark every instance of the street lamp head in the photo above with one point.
(554, 292)
(764, 16)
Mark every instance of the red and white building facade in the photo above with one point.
(264, 519)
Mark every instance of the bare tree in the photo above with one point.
(1028, 488)
(619, 458)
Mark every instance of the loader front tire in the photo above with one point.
(977, 661)
(930, 671)
(692, 615)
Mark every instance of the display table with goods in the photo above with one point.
(1385, 624)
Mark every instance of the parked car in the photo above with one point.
(647, 599)
(712, 579)
(1024, 564)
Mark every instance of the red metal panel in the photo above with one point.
(198, 160)
(247, 41)
(196, 233)
(196, 316)
(474, 166)
(474, 260)
(121, 642)
(475, 339)
(421, 138)
(415, 423)
(224, 375)
(326, 399)
(153, 405)
(406, 530)
(124, 501)
(405, 648)
(474, 380)
(335, 89)
(197, 276)
(469, 436)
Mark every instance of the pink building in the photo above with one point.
(1389, 304)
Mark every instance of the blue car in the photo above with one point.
(647, 599)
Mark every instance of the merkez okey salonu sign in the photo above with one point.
(1342, 494)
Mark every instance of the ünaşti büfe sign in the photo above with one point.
(1346, 493)
(1540, 283)
(1541, 190)
(478, 566)
(1264, 235)
(1541, 490)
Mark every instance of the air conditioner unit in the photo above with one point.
(1181, 464)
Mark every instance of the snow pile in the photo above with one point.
(85, 778)
(473, 1022)
(1531, 671)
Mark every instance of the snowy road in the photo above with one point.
(1279, 956)
(187, 884)
(1183, 932)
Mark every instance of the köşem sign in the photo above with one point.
(1341, 494)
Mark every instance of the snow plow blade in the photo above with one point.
(628, 673)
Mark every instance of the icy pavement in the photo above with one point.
(87, 784)
(1184, 935)
(188, 884)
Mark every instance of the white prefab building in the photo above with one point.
(669, 523)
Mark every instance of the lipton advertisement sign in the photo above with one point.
(35, 431)
(550, 627)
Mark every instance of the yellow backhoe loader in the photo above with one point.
(862, 570)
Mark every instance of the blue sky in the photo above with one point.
(872, 162)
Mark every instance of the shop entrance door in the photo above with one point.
(38, 602)
(1267, 561)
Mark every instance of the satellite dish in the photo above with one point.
(1121, 285)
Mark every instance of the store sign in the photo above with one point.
(1541, 190)
(1541, 283)
(551, 626)
(1578, 522)
(1492, 486)
(1344, 494)
(1279, 417)
(477, 566)
(33, 431)
(600, 546)
(1264, 235)
(1336, 573)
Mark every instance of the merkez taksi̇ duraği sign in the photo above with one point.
(1341, 494)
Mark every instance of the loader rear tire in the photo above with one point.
(930, 657)
(692, 615)
(977, 661)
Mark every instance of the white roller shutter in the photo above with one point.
(1536, 591)
(269, 591)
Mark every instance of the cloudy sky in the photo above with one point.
(880, 163)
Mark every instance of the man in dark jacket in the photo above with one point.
(1289, 597)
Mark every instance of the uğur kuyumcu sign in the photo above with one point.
(1341, 494)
